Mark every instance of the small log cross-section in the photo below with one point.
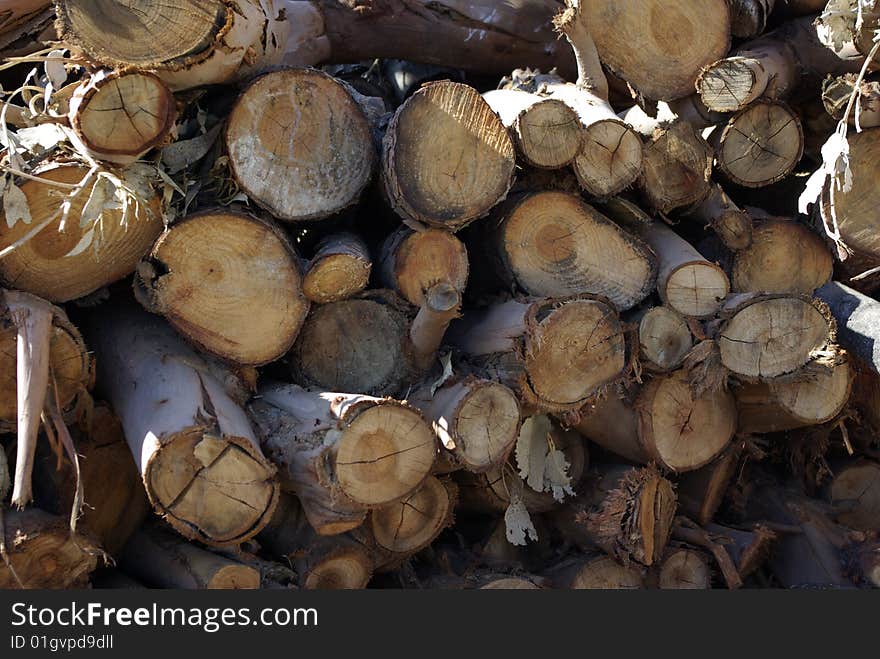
(555, 353)
(664, 338)
(732, 225)
(596, 573)
(228, 282)
(194, 447)
(447, 158)
(339, 269)
(552, 244)
(684, 569)
(855, 494)
(63, 265)
(300, 145)
(343, 453)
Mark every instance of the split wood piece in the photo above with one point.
(414, 261)
(552, 244)
(749, 548)
(322, 563)
(658, 47)
(447, 158)
(370, 343)
(748, 18)
(771, 67)
(228, 282)
(595, 573)
(760, 144)
(666, 424)
(546, 131)
(492, 491)
(161, 559)
(836, 93)
(855, 494)
(814, 394)
(339, 269)
(121, 116)
(785, 257)
(115, 502)
(701, 491)
(193, 444)
(188, 43)
(555, 353)
(687, 282)
(63, 265)
(664, 339)
(300, 145)
(684, 569)
(858, 319)
(343, 453)
(44, 553)
(732, 224)
(476, 420)
(766, 336)
(856, 212)
(677, 167)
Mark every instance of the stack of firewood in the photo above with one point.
(297, 295)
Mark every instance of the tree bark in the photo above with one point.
(748, 18)
(339, 269)
(193, 444)
(732, 224)
(447, 158)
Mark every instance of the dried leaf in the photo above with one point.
(531, 450)
(55, 70)
(178, 156)
(15, 205)
(518, 524)
(446, 360)
(556, 475)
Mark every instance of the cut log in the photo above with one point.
(299, 144)
(596, 573)
(814, 394)
(858, 317)
(855, 494)
(476, 420)
(552, 244)
(228, 282)
(785, 257)
(163, 560)
(44, 553)
(657, 47)
(339, 269)
(193, 445)
(546, 131)
(555, 354)
(687, 282)
(836, 93)
(64, 265)
(732, 225)
(413, 261)
(866, 557)
(701, 492)
(766, 336)
(664, 339)
(343, 453)
(666, 424)
(447, 158)
(322, 563)
(684, 569)
(121, 116)
(760, 144)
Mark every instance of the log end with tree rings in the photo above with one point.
(664, 338)
(680, 431)
(600, 573)
(572, 350)
(684, 569)
(761, 144)
(299, 144)
(729, 84)
(548, 134)
(784, 257)
(696, 288)
(554, 245)
(857, 210)
(855, 492)
(220, 491)
(348, 567)
(339, 269)
(120, 116)
(812, 395)
(69, 364)
(64, 265)
(510, 583)
(677, 168)
(610, 159)
(228, 282)
(659, 47)
(447, 158)
(412, 523)
(769, 336)
(414, 261)
(358, 345)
